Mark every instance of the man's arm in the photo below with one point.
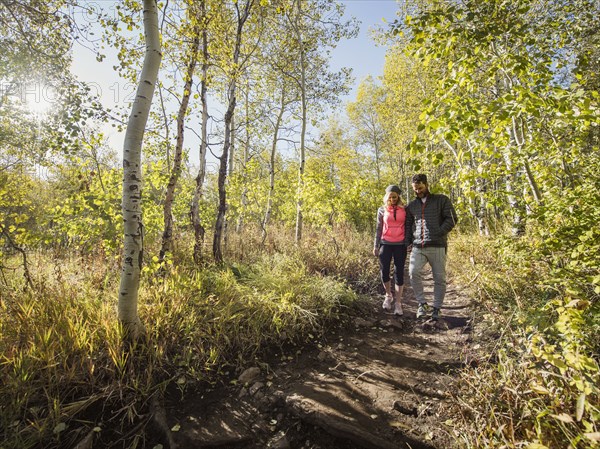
(408, 227)
(449, 217)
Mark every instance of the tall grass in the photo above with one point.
(64, 371)
(338, 251)
(535, 381)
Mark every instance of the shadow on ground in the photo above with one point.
(382, 384)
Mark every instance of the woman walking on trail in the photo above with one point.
(390, 243)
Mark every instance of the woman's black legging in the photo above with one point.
(398, 253)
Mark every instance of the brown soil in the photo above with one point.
(385, 382)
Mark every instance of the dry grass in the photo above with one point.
(64, 371)
(534, 378)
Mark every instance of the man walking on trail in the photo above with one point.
(432, 217)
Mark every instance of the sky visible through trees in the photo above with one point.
(362, 54)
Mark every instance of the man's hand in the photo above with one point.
(375, 252)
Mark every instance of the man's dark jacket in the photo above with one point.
(430, 222)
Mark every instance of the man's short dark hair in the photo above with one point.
(419, 179)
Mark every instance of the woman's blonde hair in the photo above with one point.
(386, 199)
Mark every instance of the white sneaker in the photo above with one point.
(387, 302)
(398, 309)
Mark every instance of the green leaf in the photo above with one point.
(59, 428)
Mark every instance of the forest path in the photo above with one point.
(384, 384)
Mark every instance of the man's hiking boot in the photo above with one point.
(435, 315)
(387, 302)
(398, 309)
(422, 310)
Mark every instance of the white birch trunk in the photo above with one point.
(518, 220)
(132, 176)
(299, 220)
(243, 169)
(199, 230)
(276, 128)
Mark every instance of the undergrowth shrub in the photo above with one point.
(339, 252)
(63, 369)
(536, 382)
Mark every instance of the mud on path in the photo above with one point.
(384, 384)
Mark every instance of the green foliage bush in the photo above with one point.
(87, 216)
(19, 203)
(539, 385)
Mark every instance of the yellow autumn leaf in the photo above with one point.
(399, 425)
(539, 389)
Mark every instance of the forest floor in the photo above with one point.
(383, 382)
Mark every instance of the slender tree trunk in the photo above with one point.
(21, 250)
(220, 221)
(377, 164)
(167, 237)
(230, 170)
(481, 207)
(167, 128)
(199, 230)
(515, 205)
(518, 134)
(243, 168)
(480, 201)
(277, 126)
(232, 148)
(535, 190)
(299, 218)
(518, 221)
(132, 177)
(376, 145)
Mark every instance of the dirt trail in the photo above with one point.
(382, 385)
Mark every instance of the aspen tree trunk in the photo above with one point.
(232, 148)
(199, 230)
(535, 190)
(220, 221)
(167, 128)
(376, 146)
(303, 131)
(132, 177)
(480, 201)
(277, 126)
(243, 167)
(481, 207)
(477, 205)
(518, 221)
(518, 135)
(230, 170)
(516, 205)
(21, 250)
(167, 237)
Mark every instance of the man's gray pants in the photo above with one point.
(436, 257)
